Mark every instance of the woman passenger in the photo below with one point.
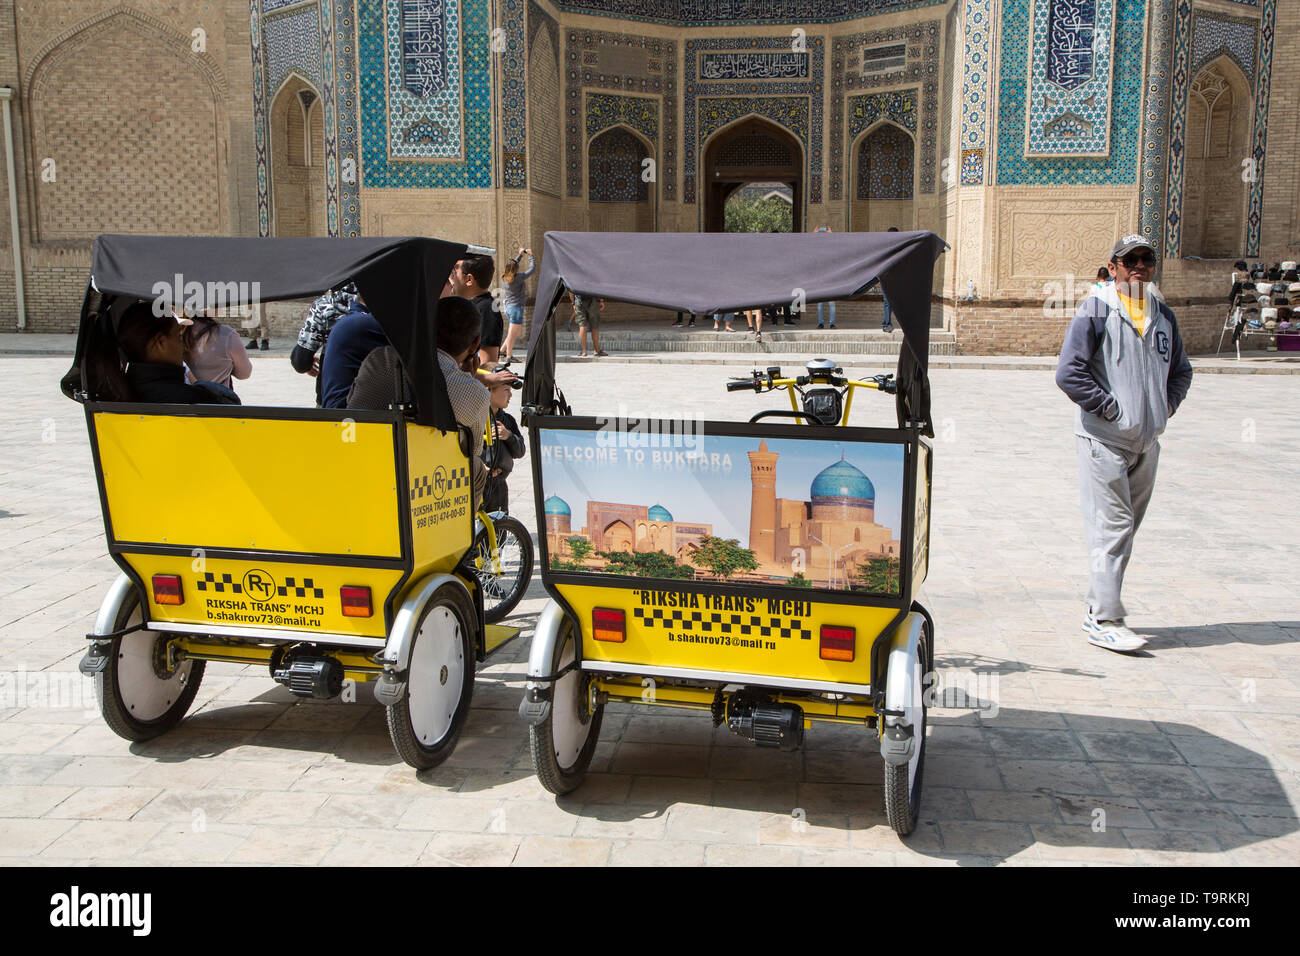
(155, 369)
(215, 352)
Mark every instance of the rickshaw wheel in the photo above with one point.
(501, 593)
(563, 742)
(426, 723)
(903, 782)
(139, 698)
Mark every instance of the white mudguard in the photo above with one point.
(118, 594)
(904, 674)
(397, 652)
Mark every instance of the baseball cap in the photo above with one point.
(1127, 244)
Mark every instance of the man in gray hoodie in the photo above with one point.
(1124, 366)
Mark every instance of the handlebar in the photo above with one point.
(762, 381)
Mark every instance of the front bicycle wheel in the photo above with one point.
(504, 589)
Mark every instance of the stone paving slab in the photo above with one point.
(1183, 755)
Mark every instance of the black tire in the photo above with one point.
(903, 781)
(426, 723)
(501, 593)
(562, 768)
(138, 697)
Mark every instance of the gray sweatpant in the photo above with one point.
(1115, 489)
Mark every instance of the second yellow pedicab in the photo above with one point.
(763, 571)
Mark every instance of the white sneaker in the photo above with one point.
(1112, 635)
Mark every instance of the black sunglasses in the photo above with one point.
(1133, 259)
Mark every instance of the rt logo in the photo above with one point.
(439, 482)
(259, 585)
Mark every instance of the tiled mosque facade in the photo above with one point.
(1028, 133)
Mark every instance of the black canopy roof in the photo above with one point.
(708, 273)
(399, 278)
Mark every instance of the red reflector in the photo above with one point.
(837, 643)
(607, 625)
(356, 601)
(167, 589)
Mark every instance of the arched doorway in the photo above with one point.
(619, 195)
(298, 161)
(1219, 114)
(884, 180)
(754, 150)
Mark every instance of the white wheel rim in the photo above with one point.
(568, 731)
(436, 675)
(144, 694)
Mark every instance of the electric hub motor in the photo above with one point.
(318, 678)
(765, 722)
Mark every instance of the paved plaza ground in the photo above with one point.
(1188, 753)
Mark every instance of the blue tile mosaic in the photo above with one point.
(1119, 166)
(1070, 78)
(641, 113)
(348, 127)
(921, 71)
(614, 170)
(1181, 84)
(1154, 135)
(291, 43)
(977, 38)
(260, 133)
(514, 101)
(709, 13)
(329, 88)
(270, 6)
(885, 164)
(1215, 36)
(655, 75)
(409, 144)
(1255, 213)
(734, 100)
(424, 86)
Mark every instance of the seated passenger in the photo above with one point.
(499, 457)
(155, 370)
(458, 331)
(353, 337)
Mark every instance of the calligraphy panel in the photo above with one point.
(1070, 65)
(423, 39)
(752, 65)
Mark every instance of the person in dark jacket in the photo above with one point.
(353, 338)
(1123, 364)
(499, 457)
(155, 371)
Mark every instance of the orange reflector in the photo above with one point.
(356, 601)
(837, 643)
(607, 625)
(167, 589)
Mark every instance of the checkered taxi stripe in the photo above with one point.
(705, 622)
(300, 590)
(455, 479)
(210, 583)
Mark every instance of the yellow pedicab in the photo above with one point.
(328, 545)
(773, 604)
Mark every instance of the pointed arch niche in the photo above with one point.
(619, 199)
(752, 150)
(1219, 115)
(298, 160)
(884, 180)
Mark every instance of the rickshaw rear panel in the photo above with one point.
(249, 479)
(731, 635)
